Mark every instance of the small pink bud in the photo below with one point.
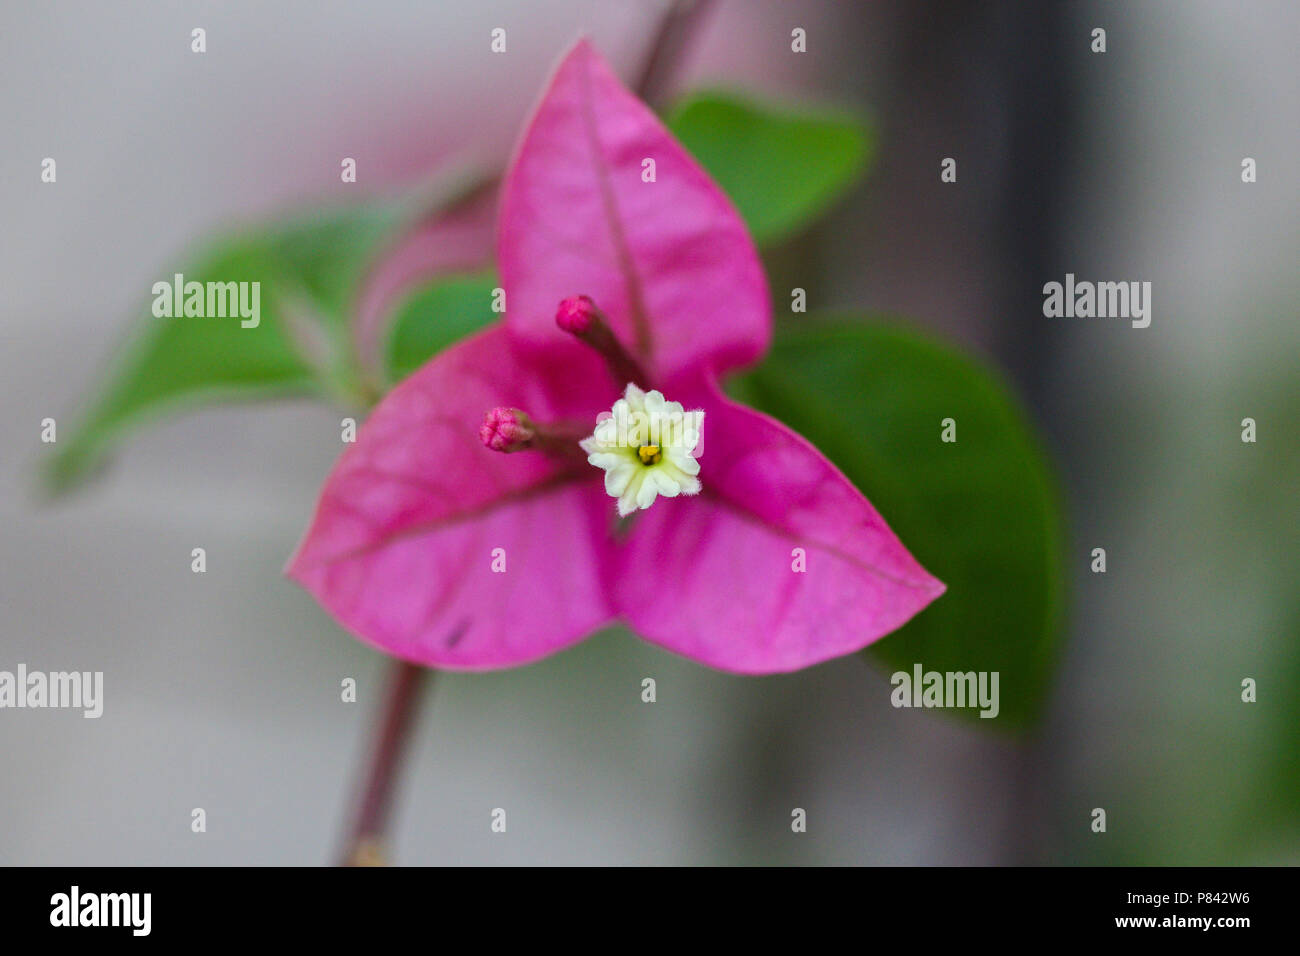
(576, 314)
(507, 429)
(579, 316)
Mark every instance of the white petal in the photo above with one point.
(633, 397)
(680, 459)
(645, 495)
(608, 458)
(665, 484)
(617, 479)
(627, 500)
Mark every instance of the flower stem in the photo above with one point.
(365, 842)
(676, 29)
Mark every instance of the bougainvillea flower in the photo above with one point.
(432, 544)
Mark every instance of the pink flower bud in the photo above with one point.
(579, 316)
(576, 314)
(507, 429)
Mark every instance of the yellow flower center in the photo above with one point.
(649, 454)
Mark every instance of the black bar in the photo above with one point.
(659, 907)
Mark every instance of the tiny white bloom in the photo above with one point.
(646, 446)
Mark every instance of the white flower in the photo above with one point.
(646, 445)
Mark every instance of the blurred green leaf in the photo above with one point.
(436, 315)
(981, 513)
(782, 169)
(308, 270)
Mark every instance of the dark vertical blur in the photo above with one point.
(990, 86)
(993, 87)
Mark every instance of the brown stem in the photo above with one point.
(677, 28)
(364, 845)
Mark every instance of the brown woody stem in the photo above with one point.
(365, 841)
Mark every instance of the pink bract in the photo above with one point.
(418, 519)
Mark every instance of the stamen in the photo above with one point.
(509, 429)
(579, 316)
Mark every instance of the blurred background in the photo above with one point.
(222, 690)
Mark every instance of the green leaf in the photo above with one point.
(308, 273)
(436, 315)
(980, 513)
(782, 169)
